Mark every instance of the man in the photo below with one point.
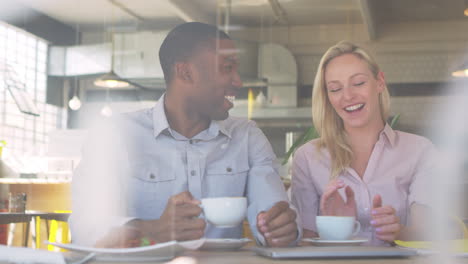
(157, 164)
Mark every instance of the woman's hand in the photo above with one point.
(384, 220)
(331, 202)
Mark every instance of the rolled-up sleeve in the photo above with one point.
(304, 195)
(264, 187)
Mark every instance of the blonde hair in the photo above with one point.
(327, 122)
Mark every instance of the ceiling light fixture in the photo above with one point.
(466, 8)
(106, 111)
(111, 79)
(462, 72)
(75, 102)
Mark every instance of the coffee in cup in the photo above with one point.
(225, 211)
(337, 227)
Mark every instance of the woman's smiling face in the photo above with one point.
(353, 90)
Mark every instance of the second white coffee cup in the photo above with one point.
(337, 227)
(225, 211)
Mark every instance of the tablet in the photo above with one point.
(334, 252)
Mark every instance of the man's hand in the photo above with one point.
(278, 225)
(331, 202)
(179, 221)
(384, 220)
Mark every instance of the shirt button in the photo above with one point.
(228, 169)
(193, 173)
(152, 176)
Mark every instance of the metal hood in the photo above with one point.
(277, 65)
(136, 58)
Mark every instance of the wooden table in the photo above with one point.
(28, 216)
(9, 218)
(246, 256)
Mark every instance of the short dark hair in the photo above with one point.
(182, 41)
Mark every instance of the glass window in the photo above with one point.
(41, 67)
(27, 56)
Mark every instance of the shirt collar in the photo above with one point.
(389, 134)
(160, 122)
(159, 117)
(220, 126)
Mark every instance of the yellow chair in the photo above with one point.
(463, 225)
(456, 245)
(59, 229)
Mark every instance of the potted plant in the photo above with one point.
(2, 145)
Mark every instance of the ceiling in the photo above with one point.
(420, 10)
(143, 14)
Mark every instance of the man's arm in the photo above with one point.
(424, 191)
(272, 220)
(178, 222)
(422, 223)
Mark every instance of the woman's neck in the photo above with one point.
(363, 139)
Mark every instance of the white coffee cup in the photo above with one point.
(225, 211)
(337, 227)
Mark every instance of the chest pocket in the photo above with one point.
(152, 174)
(226, 179)
(226, 169)
(147, 185)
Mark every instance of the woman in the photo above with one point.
(360, 166)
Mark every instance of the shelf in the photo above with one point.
(271, 112)
(33, 181)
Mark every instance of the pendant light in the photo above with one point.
(106, 110)
(75, 102)
(111, 79)
(462, 71)
(465, 12)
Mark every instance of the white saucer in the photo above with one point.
(224, 243)
(327, 243)
(158, 252)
